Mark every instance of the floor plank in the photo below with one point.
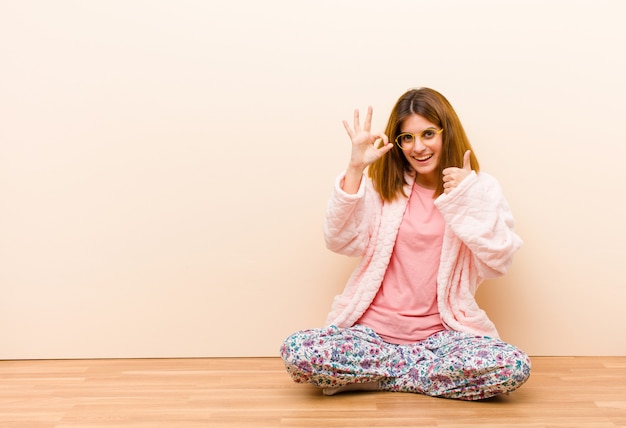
(257, 392)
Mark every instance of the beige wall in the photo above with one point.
(164, 165)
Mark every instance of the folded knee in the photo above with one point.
(520, 369)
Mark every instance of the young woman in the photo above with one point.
(429, 228)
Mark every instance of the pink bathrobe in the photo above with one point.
(478, 243)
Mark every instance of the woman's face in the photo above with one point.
(424, 154)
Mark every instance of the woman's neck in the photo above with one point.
(425, 181)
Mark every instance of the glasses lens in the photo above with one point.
(405, 140)
(428, 134)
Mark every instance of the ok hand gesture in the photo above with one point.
(364, 150)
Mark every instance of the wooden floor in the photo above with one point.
(257, 392)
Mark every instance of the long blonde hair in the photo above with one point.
(388, 172)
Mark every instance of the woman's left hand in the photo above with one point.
(453, 176)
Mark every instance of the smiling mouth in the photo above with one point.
(423, 158)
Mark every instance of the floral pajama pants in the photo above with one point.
(448, 364)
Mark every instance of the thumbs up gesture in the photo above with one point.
(452, 176)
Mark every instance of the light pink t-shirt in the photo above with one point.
(405, 308)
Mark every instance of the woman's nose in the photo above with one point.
(418, 146)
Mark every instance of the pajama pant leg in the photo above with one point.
(462, 366)
(332, 357)
(447, 364)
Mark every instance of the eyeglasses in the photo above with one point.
(406, 140)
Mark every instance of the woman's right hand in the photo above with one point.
(364, 142)
(364, 150)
